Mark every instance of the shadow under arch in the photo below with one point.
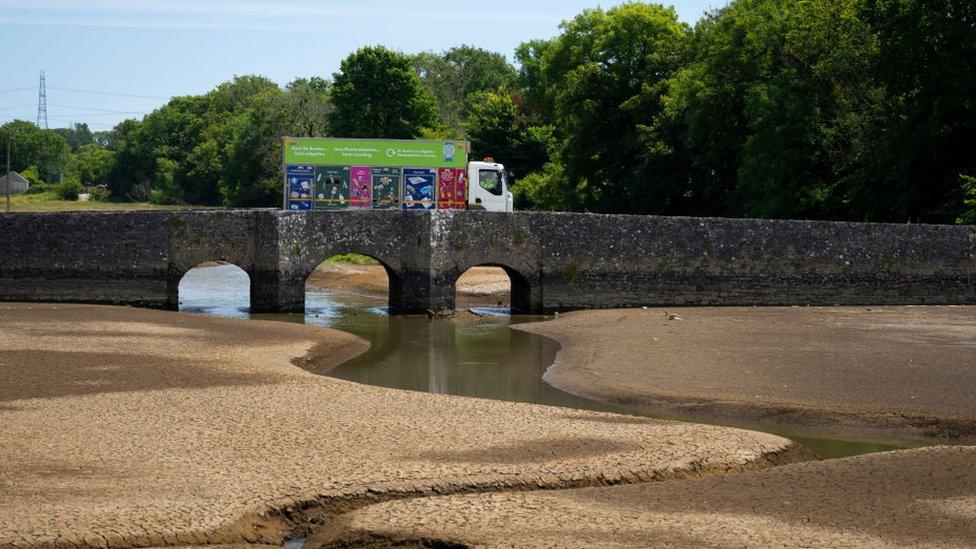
(366, 287)
(214, 287)
(521, 294)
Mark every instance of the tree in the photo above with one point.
(33, 177)
(603, 78)
(456, 77)
(177, 153)
(315, 84)
(497, 128)
(376, 93)
(251, 173)
(306, 106)
(774, 110)
(91, 164)
(132, 173)
(926, 61)
(534, 80)
(32, 146)
(76, 136)
(968, 215)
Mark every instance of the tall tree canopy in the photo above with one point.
(831, 109)
(775, 107)
(91, 164)
(77, 135)
(926, 62)
(499, 128)
(45, 150)
(602, 80)
(457, 77)
(223, 147)
(252, 172)
(376, 93)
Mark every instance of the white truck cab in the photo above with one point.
(488, 187)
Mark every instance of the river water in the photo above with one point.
(473, 357)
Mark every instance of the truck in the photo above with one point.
(390, 174)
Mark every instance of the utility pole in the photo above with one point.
(7, 184)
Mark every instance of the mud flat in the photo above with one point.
(875, 373)
(924, 497)
(125, 427)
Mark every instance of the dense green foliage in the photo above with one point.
(30, 146)
(968, 216)
(69, 189)
(606, 74)
(376, 93)
(90, 164)
(456, 78)
(498, 129)
(829, 109)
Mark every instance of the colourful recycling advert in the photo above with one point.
(452, 189)
(374, 174)
(299, 187)
(331, 188)
(418, 189)
(386, 188)
(360, 187)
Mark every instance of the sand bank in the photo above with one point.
(885, 373)
(921, 497)
(124, 427)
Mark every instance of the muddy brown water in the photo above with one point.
(482, 359)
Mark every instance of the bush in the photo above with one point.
(40, 188)
(968, 216)
(162, 197)
(99, 193)
(33, 177)
(355, 259)
(545, 190)
(68, 190)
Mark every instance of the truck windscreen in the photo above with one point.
(491, 181)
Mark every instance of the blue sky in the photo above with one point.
(146, 51)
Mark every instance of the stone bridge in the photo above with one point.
(555, 261)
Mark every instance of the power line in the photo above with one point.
(77, 114)
(93, 109)
(76, 90)
(9, 90)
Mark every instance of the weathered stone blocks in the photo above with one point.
(555, 260)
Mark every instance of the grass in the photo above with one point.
(47, 202)
(355, 259)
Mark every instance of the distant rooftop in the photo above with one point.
(17, 183)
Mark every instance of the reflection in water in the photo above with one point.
(474, 358)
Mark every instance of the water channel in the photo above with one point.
(464, 356)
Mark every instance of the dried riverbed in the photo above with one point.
(126, 427)
(123, 426)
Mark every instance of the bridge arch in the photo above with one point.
(213, 286)
(526, 284)
(394, 280)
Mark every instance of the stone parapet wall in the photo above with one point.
(556, 260)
